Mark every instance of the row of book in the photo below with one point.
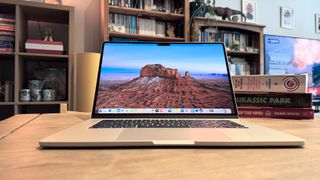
(239, 66)
(274, 96)
(6, 91)
(7, 32)
(232, 40)
(167, 6)
(143, 26)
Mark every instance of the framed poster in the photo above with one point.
(249, 9)
(287, 18)
(317, 23)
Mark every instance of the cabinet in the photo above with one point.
(31, 18)
(252, 50)
(146, 20)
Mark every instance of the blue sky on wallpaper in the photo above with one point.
(122, 61)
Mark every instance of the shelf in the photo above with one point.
(6, 103)
(42, 55)
(142, 12)
(20, 66)
(241, 53)
(47, 13)
(6, 54)
(43, 103)
(144, 37)
(229, 24)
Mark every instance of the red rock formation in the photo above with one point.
(157, 70)
(187, 75)
(160, 87)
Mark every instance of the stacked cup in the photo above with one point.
(35, 92)
(35, 87)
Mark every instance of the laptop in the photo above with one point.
(165, 94)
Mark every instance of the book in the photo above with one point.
(237, 69)
(6, 38)
(7, 50)
(7, 33)
(46, 47)
(295, 83)
(7, 28)
(10, 20)
(284, 113)
(8, 91)
(8, 16)
(286, 100)
(241, 61)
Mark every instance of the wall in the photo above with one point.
(268, 14)
(87, 25)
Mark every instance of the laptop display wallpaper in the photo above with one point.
(180, 78)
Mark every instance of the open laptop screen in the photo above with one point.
(151, 78)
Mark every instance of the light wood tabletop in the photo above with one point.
(21, 157)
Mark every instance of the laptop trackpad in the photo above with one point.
(154, 134)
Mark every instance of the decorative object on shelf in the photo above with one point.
(235, 18)
(117, 28)
(197, 8)
(47, 34)
(35, 94)
(35, 84)
(249, 9)
(201, 8)
(158, 5)
(287, 17)
(48, 95)
(55, 79)
(44, 47)
(170, 30)
(25, 95)
(317, 23)
(227, 13)
(180, 10)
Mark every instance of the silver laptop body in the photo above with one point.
(165, 94)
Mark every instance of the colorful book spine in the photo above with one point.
(284, 113)
(7, 20)
(6, 50)
(271, 83)
(286, 100)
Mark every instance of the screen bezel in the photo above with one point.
(161, 115)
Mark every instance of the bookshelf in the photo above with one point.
(145, 14)
(252, 52)
(252, 55)
(21, 66)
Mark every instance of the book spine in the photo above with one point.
(8, 16)
(8, 91)
(44, 51)
(284, 113)
(286, 100)
(7, 33)
(271, 83)
(44, 47)
(6, 28)
(6, 49)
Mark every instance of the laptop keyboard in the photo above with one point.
(167, 124)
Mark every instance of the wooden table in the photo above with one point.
(21, 157)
